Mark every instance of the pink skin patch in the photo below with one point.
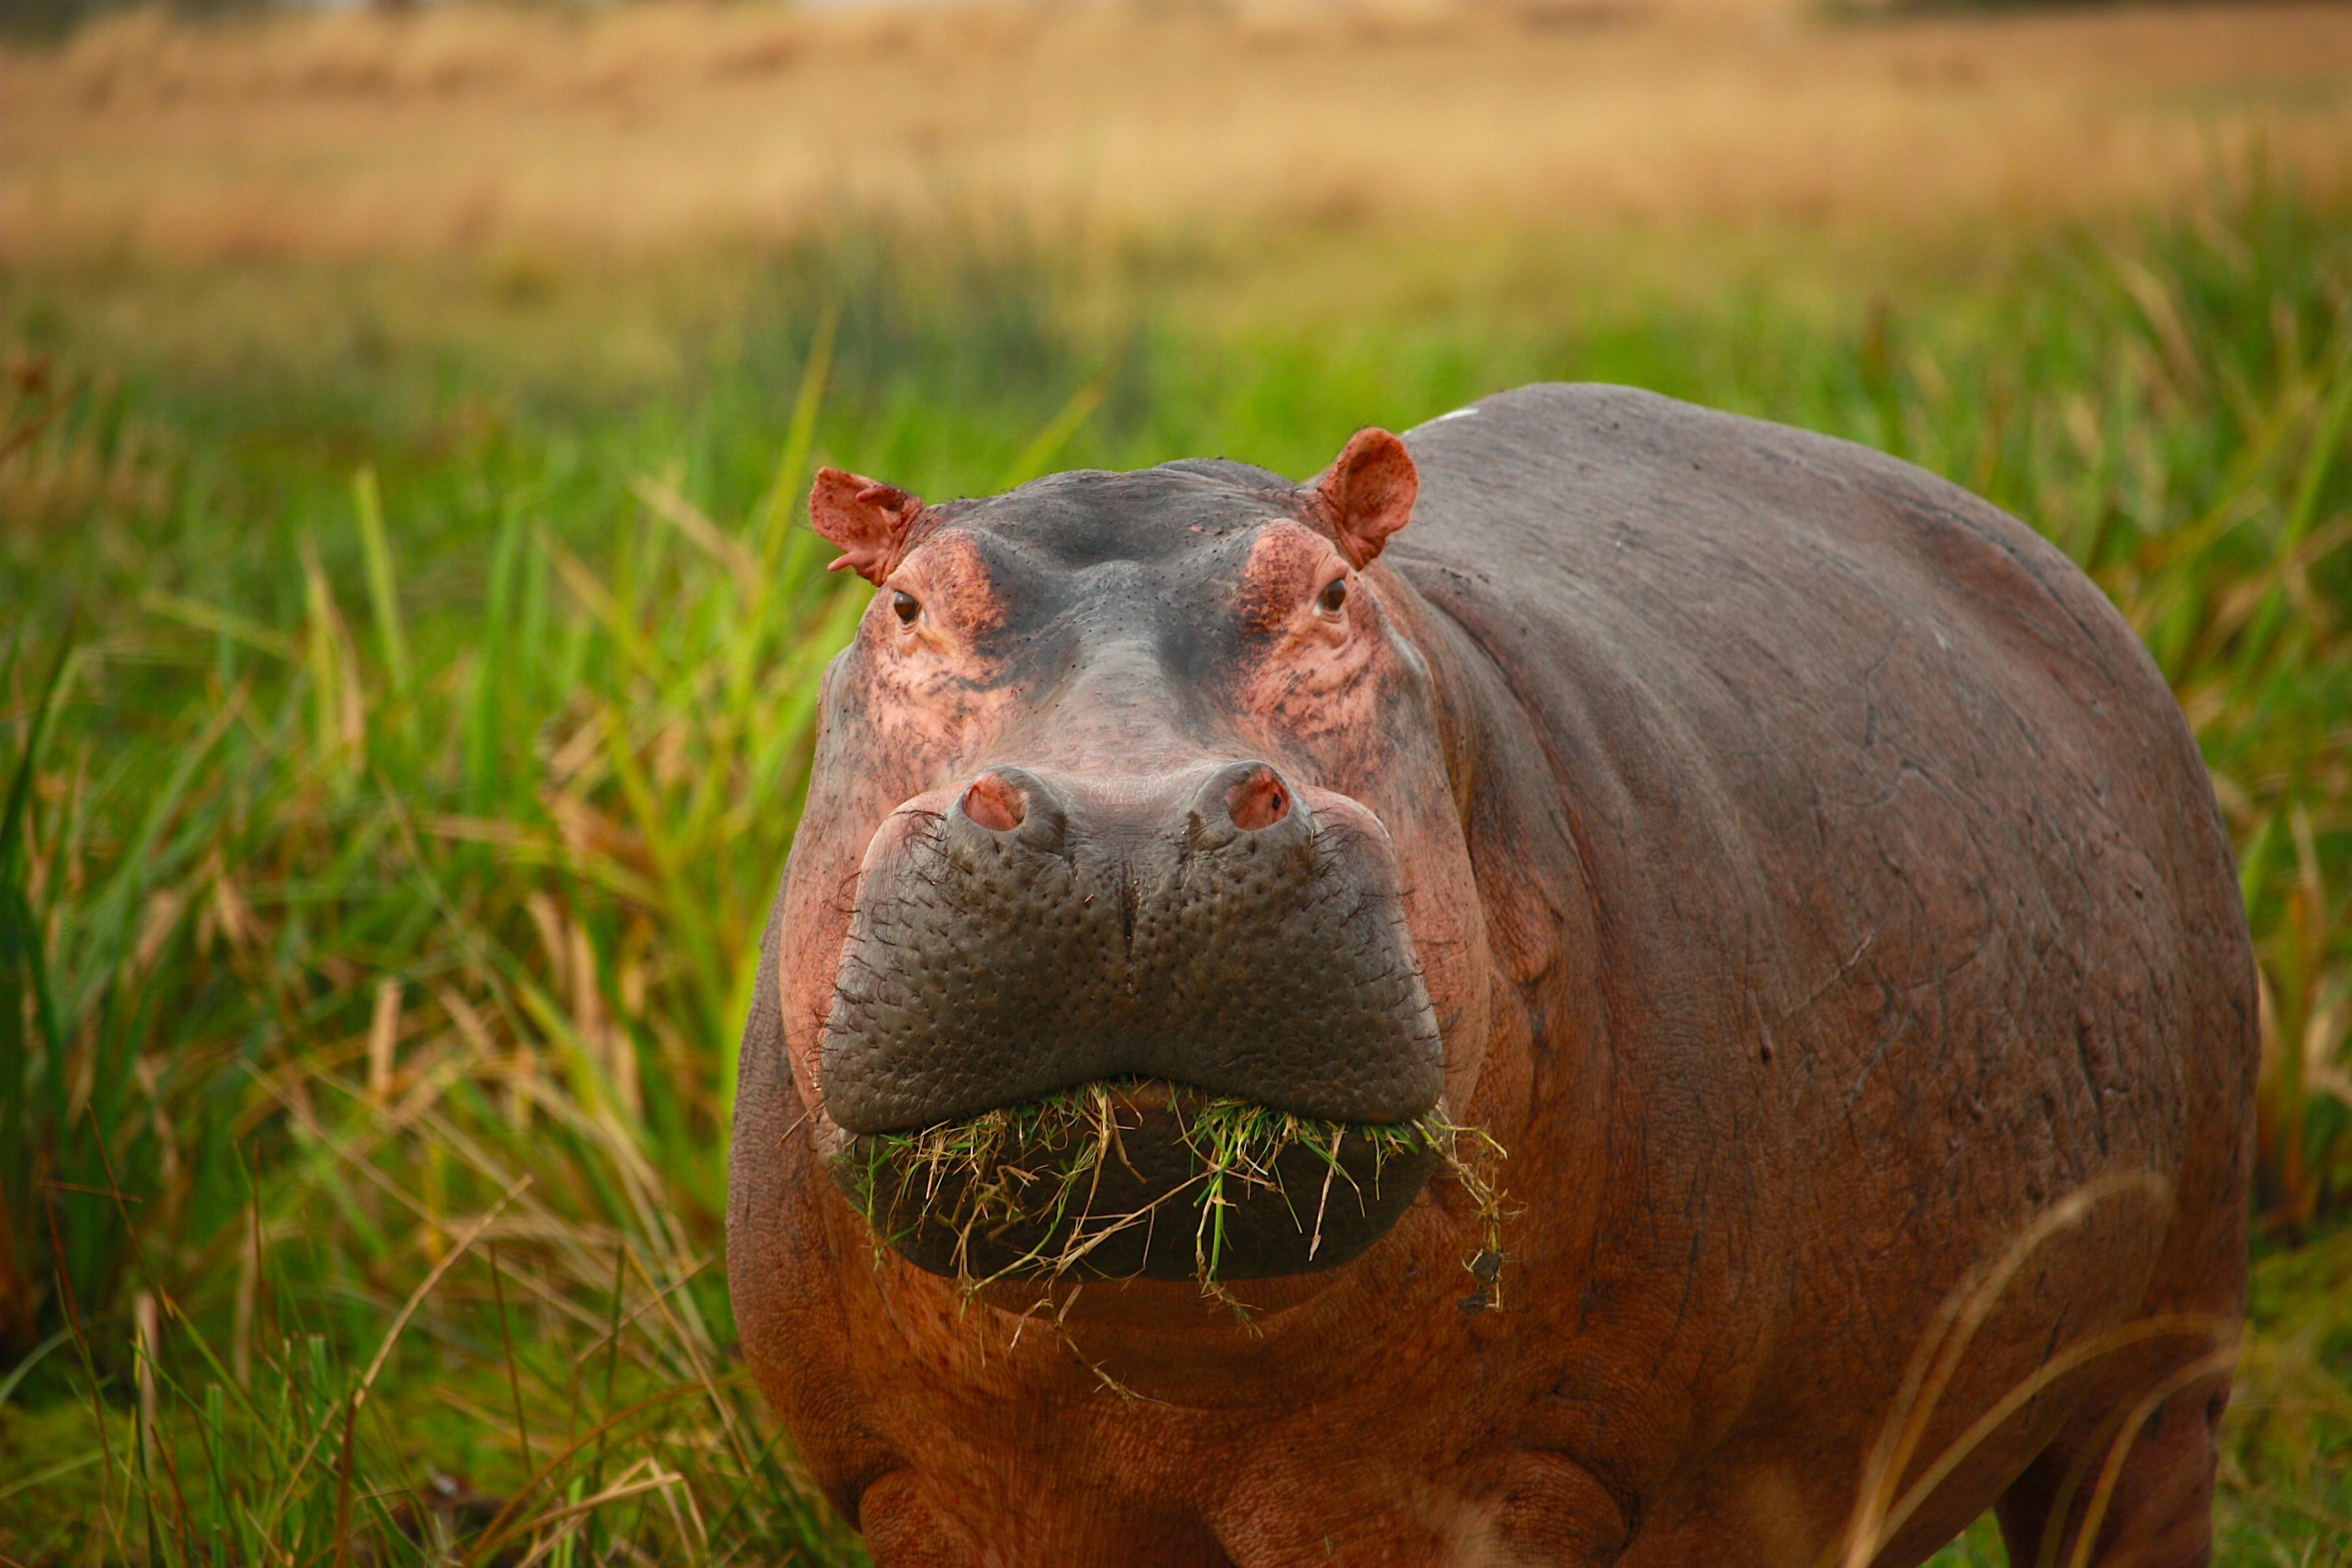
(1311, 679)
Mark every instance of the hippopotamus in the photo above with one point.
(1602, 983)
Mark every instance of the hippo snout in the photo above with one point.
(1222, 930)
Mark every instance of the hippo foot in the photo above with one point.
(1153, 1180)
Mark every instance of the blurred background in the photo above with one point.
(408, 625)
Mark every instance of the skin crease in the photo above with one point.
(1814, 884)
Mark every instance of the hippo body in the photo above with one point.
(1822, 905)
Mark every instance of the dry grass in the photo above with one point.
(353, 135)
(1021, 1192)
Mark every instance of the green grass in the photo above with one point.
(406, 696)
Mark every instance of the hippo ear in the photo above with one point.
(869, 521)
(1366, 494)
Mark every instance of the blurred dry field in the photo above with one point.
(357, 134)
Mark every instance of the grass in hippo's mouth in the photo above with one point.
(1022, 1190)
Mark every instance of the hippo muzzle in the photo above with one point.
(1081, 1023)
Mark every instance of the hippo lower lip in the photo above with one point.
(1137, 1180)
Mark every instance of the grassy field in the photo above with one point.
(411, 630)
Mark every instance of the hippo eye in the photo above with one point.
(906, 607)
(1334, 595)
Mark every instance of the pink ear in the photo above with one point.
(1367, 493)
(869, 521)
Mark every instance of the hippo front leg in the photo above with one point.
(1551, 1510)
(1530, 1511)
(910, 1521)
(905, 1528)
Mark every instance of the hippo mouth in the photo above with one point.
(1138, 1179)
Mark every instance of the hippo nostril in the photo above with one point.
(995, 803)
(1257, 799)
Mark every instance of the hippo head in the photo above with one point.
(1129, 930)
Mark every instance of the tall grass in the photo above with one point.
(386, 840)
(383, 956)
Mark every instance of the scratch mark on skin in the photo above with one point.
(2083, 1047)
(1837, 977)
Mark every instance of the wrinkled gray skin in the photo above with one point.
(1851, 893)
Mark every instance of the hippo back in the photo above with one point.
(1915, 907)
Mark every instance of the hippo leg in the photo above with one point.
(903, 1530)
(911, 1521)
(2159, 1513)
